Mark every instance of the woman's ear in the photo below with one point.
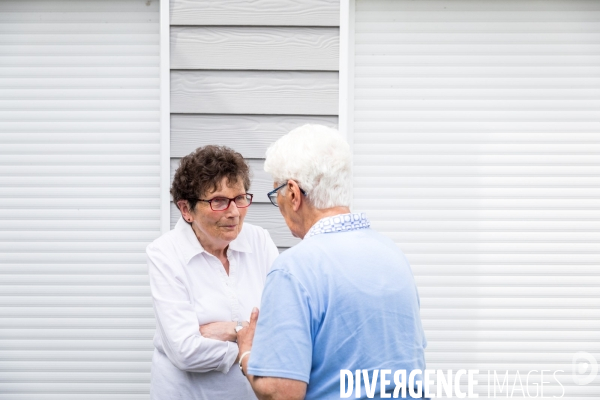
(184, 207)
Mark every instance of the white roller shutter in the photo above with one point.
(79, 197)
(477, 149)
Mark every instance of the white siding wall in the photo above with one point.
(477, 149)
(79, 197)
(245, 73)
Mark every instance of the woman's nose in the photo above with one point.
(233, 209)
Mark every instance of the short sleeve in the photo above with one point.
(282, 345)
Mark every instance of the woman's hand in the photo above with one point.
(223, 331)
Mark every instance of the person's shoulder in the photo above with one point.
(298, 256)
(165, 242)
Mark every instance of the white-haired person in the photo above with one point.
(342, 299)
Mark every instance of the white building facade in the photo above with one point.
(475, 129)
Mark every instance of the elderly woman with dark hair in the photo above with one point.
(206, 275)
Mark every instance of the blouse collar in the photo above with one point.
(191, 245)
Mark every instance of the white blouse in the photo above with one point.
(191, 288)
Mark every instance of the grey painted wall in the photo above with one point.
(245, 73)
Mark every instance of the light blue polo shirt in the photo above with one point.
(344, 298)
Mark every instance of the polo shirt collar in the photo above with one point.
(191, 246)
(339, 223)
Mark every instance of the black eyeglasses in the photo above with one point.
(223, 203)
(273, 194)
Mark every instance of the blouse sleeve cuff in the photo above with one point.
(229, 359)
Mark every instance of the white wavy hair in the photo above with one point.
(318, 158)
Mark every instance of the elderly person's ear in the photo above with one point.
(295, 194)
(184, 207)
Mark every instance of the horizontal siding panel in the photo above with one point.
(260, 181)
(254, 92)
(254, 48)
(261, 12)
(264, 215)
(249, 135)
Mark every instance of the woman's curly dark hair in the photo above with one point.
(202, 171)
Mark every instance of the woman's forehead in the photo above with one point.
(227, 187)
